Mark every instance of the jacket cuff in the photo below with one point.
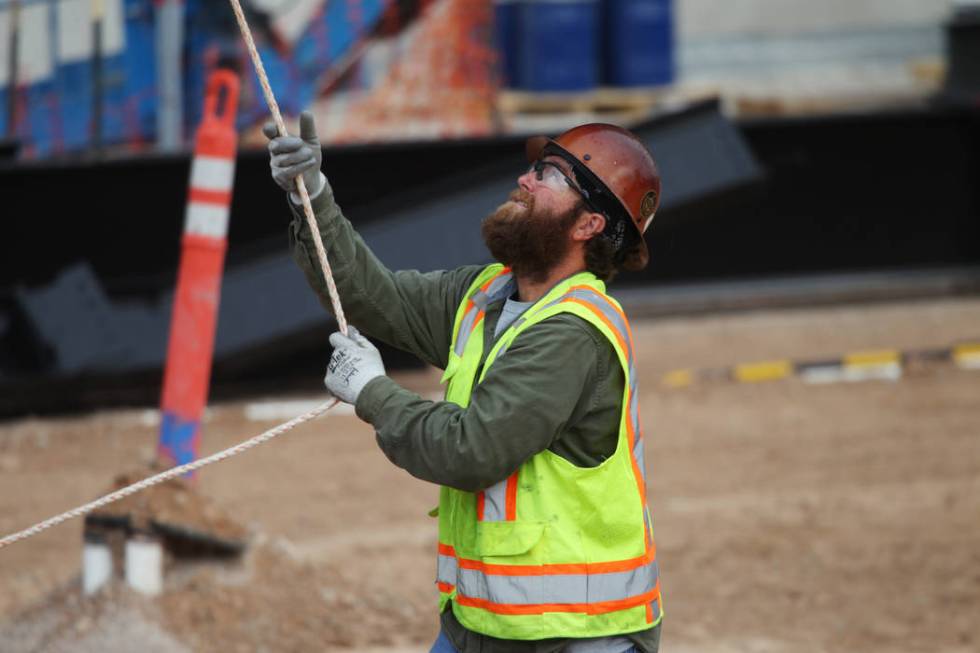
(325, 209)
(324, 186)
(373, 396)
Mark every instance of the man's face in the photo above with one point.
(530, 232)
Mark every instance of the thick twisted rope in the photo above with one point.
(169, 474)
(338, 312)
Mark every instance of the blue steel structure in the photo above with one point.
(55, 112)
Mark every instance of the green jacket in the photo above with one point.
(537, 397)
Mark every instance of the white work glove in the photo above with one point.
(354, 362)
(292, 156)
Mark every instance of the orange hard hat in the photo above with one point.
(616, 174)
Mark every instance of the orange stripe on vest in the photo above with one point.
(602, 607)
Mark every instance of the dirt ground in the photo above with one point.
(788, 517)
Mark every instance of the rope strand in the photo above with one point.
(170, 473)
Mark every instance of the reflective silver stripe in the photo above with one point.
(501, 287)
(623, 584)
(498, 288)
(557, 588)
(523, 590)
(602, 303)
(638, 456)
(634, 404)
(446, 569)
(646, 517)
(495, 502)
(465, 329)
(655, 609)
(480, 299)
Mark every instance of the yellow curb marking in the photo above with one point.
(967, 355)
(873, 358)
(678, 379)
(763, 371)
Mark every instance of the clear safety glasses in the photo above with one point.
(550, 174)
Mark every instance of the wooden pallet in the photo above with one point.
(599, 100)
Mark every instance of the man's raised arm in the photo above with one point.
(410, 310)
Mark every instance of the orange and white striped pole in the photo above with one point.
(195, 311)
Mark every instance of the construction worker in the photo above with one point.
(545, 539)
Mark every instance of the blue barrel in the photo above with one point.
(638, 42)
(506, 37)
(559, 45)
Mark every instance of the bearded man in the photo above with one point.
(545, 538)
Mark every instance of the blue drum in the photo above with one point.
(559, 45)
(506, 18)
(638, 42)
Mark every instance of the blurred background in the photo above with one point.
(796, 139)
(808, 328)
(130, 74)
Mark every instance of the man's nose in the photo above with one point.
(526, 181)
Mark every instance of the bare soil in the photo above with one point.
(788, 517)
(174, 506)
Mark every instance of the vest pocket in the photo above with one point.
(509, 538)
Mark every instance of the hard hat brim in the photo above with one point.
(535, 145)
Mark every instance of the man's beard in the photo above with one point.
(528, 242)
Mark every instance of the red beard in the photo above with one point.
(530, 242)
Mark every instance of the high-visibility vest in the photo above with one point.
(555, 550)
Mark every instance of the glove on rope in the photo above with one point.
(292, 156)
(355, 361)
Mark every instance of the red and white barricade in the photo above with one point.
(195, 312)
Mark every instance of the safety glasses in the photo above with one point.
(551, 174)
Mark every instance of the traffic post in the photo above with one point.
(195, 311)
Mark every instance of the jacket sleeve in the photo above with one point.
(409, 310)
(520, 409)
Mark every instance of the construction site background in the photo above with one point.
(789, 516)
(408, 70)
(807, 335)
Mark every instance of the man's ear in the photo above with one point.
(589, 224)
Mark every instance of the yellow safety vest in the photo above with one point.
(555, 550)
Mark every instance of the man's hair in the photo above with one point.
(601, 260)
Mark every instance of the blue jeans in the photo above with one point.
(443, 645)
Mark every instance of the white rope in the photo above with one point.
(270, 99)
(338, 312)
(169, 474)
